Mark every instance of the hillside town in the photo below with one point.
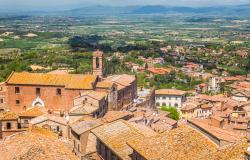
(58, 115)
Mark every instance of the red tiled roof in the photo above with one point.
(159, 70)
(170, 92)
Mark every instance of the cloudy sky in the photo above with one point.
(64, 4)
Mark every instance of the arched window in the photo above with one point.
(97, 62)
(157, 104)
(176, 105)
(164, 104)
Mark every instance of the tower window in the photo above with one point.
(97, 62)
(17, 90)
(1, 100)
(58, 92)
(38, 91)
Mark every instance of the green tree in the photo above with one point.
(174, 114)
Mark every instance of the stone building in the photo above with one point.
(56, 92)
(30, 113)
(158, 121)
(56, 124)
(9, 123)
(214, 85)
(126, 89)
(240, 95)
(196, 110)
(84, 141)
(239, 119)
(53, 91)
(170, 97)
(91, 103)
(3, 97)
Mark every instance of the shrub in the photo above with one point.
(174, 114)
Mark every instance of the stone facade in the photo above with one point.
(170, 97)
(3, 97)
(90, 103)
(58, 125)
(127, 95)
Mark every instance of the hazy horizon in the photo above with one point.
(29, 5)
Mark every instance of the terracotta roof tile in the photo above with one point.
(35, 145)
(116, 135)
(84, 126)
(215, 98)
(181, 143)
(219, 133)
(104, 84)
(48, 117)
(159, 70)
(32, 112)
(8, 116)
(69, 81)
(121, 80)
(115, 115)
(169, 92)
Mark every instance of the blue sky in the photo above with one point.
(64, 4)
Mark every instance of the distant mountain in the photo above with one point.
(240, 10)
(149, 10)
(220, 10)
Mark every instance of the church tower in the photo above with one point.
(97, 63)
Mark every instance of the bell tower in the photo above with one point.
(97, 63)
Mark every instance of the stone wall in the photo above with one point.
(127, 95)
(48, 95)
(53, 126)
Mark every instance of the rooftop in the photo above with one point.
(84, 126)
(116, 135)
(94, 94)
(32, 112)
(49, 117)
(69, 81)
(111, 116)
(104, 84)
(84, 109)
(215, 98)
(190, 106)
(8, 116)
(35, 146)
(185, 143)
(159, 70)
(122, 81)
(181, 143)
(216, 132)
(170, 92)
